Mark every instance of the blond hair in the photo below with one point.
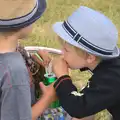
(79, 51)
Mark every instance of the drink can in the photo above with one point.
(50, 78)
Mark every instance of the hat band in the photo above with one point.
(82, 41)
(20, 20)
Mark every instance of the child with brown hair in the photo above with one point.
(16, 19)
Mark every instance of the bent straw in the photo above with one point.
(38, 56)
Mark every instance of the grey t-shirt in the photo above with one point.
(15, 97)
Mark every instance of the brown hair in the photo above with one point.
(10, 9)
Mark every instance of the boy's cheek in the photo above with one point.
(71, 65)
(74, 65)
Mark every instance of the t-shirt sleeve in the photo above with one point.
(15, 96)
(100, 93)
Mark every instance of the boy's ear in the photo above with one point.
(91, 58)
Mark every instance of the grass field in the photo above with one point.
(58, 10)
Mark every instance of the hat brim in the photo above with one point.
(36, 16)
(59, 30)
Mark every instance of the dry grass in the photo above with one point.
(58, 10)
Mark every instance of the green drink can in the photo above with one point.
(50, 78)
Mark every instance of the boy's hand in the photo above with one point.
(60, 67)
(45, 58)
(48, 92)
(47, 98)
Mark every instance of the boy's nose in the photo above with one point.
(62, 56)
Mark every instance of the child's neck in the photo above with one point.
(8, 44)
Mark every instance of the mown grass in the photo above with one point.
(58, 10)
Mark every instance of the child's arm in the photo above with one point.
(46, 99)
(101, 93)
(44, 102)
(39, 107)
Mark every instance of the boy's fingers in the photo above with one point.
(37, 60)
(44, 54)
(46, 63)
(42, 86)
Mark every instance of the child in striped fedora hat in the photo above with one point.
(89, 42)
(16, 19)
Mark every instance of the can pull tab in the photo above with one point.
(48, 68)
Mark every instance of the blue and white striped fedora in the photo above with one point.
(91, 31)
(17, 14)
